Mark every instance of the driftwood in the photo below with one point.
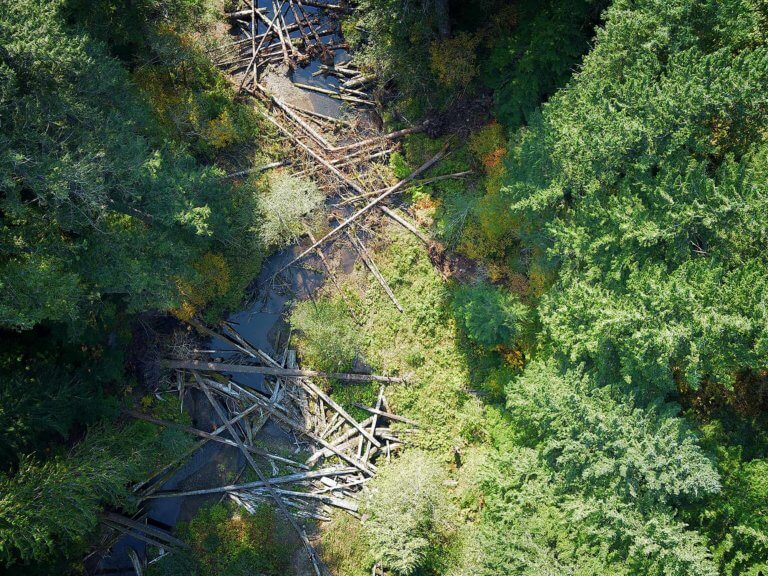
(334, 94)
(272, 371)
(358, 81)
(388, 415)
(329, 500)
(266, 358)
(319, 115)
(335, 423)
(214, 436)
(281, 24)
(300, 428)
(275, 496)
(333, 446)
(298, 18)
(405, 224)
(367, 454)
(314, 154)
(312, 29)
(261, 43)
(213, 334)
(274, 481)
(306, 127)
(423, 168)
(278, 412)
(368, 260)
(344, 414)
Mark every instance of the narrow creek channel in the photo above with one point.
(261, 321)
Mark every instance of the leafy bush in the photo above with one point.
(288, 200)
(454, 60)
(330, 340)
(47, 509)
(489, 315)
(225, 541)
(408, 513)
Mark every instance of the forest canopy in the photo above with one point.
(583, 332)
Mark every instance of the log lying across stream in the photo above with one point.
(271, 371)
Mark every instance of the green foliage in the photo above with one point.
(288, 201)
(650, 191)
(225, 541)
(490, 316)
(105, 213)
(129, 28)
(49, 508)
(531, 526)
(46, 391)
(90, 215)
(735, 519)
(598, 445)
(398, 47)
(191, 101)
(590, 486)
(330, 340)
(526, 66)
(342, 549)
(408, 514)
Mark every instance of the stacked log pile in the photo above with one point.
(335, 454)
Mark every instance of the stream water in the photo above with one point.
(261, 323)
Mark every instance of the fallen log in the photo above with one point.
(317, 137)
(405, 224)
(275, 481)
(418, 183)
(334, 94)
(263, 168)
(344, 414)
(300, 428)
(280, 23)
(134, 533)
(316, 4)
(367, 454)
(214, 436)
(368, 260)
(312, 153)
(319, 115)
(272, 371)
(359, 81)
(266, 358)
(328, 450)
(375, 139)
(199, 326)
(388, 415)
(329, 500)
(275, 496)
(155, 533)
(415, 174)
(332, 276)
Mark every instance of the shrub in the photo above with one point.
(408, 513)
(226, 542)
(489, 316)
(329, 338)
(288, 200)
